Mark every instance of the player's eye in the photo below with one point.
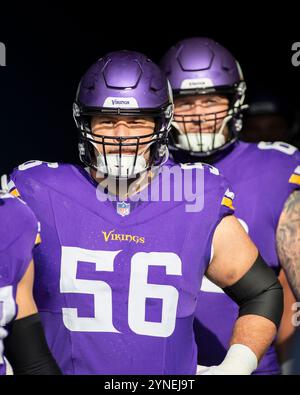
(106, 122)
(184, 107)
(138, 122)
(210, 102)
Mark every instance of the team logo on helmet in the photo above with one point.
(121, 102)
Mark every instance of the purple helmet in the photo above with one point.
(201, 66)
(126, 84)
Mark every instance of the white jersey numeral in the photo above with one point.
(199, 165)
(278, 146)
(104, 260)
(34, 163)
(139, 291)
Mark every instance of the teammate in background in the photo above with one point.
(25, 347)
(117, 276)
(209, 91)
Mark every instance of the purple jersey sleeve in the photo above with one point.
(294, 173)
(30, 181)
(223, 205)
(281, 176)
(19, 234)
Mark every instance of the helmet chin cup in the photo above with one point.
(124, 166)
(202, 142)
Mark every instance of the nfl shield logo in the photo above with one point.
(123, 208)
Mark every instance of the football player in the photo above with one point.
(209, 91)
(25, 347)
(118, 272)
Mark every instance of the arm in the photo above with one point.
(288, 241)
(24, 296)
(26, 347)
(237, 268)
(286, 330)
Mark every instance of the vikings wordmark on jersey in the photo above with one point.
(117, 294)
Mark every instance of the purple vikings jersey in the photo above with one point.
(116, 283)
(18, 235)
(263, 176)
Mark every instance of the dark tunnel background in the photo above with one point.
(50, 46)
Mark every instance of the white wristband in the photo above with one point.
(239, 360)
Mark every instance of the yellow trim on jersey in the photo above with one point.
(295, 179)
(38, 239)
(15, 193)
(227, 202)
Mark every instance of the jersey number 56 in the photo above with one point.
(139, 291)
